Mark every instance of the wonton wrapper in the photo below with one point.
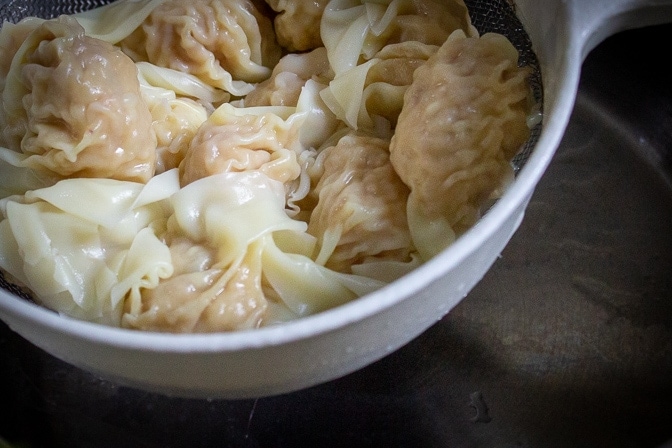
(359, 215)
(463, 120)
(71, 105)
(396, 35)
(116, 20)
(12, 36)
(298, 81)
(354, 31)
(82, 245)
(374, 91)
(289, 76)
(176, 119)
(220, 254)
(298, 23)
(228, 44)
(234, 140)
(243, 262)
(202, 296)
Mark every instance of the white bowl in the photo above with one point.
(322, 347)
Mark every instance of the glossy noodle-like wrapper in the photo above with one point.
(175, 172)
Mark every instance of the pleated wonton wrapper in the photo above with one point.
(184, 171)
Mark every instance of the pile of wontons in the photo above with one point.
(218, 165)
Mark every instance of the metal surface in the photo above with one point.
(567, 341)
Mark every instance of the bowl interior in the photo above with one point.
(336, 342)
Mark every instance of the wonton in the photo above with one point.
(223, 165)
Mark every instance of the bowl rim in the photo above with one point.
(555, 119)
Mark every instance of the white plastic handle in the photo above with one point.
(595, 20)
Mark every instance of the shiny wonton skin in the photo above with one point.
(233, 140)
(353, 31)
(12, 36)
(219, 254)
(360, 213)
(387, 79)
(432, 21)
(289, 76)
(72, 106)
(297, 24)
(200, 296)
(463, 120)
(239, 262)
(116, 20)
(373, 54)
(226, 43)
(176, 122)
(360, 97)
(83, 245)
(179, 104)
(176, 119)
(398, 62)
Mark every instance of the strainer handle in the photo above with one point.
(595, 20)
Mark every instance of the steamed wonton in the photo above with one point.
(298, 23)
(374, 47)
(463, 120)
(163, 168)
(228, 44)
(232, 140)
(176, 119)
(82, 245)
(354, 31)
(220, 254)
(72, 107)
(239, 262)
(359, 215)
(289, 76)
(370, 96)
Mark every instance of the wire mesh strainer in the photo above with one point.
(487, 16)
(322, 347)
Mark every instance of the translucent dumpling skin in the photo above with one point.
(221, 165)
(298, 23)
(360, 211)
(225, 43)
(464, 118)
(227, 142)
(201, 296)
(72, 106)
(289, 76)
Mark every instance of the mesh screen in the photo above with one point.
(487, 16)
(499, 16)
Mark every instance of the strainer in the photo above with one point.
(553, 37)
